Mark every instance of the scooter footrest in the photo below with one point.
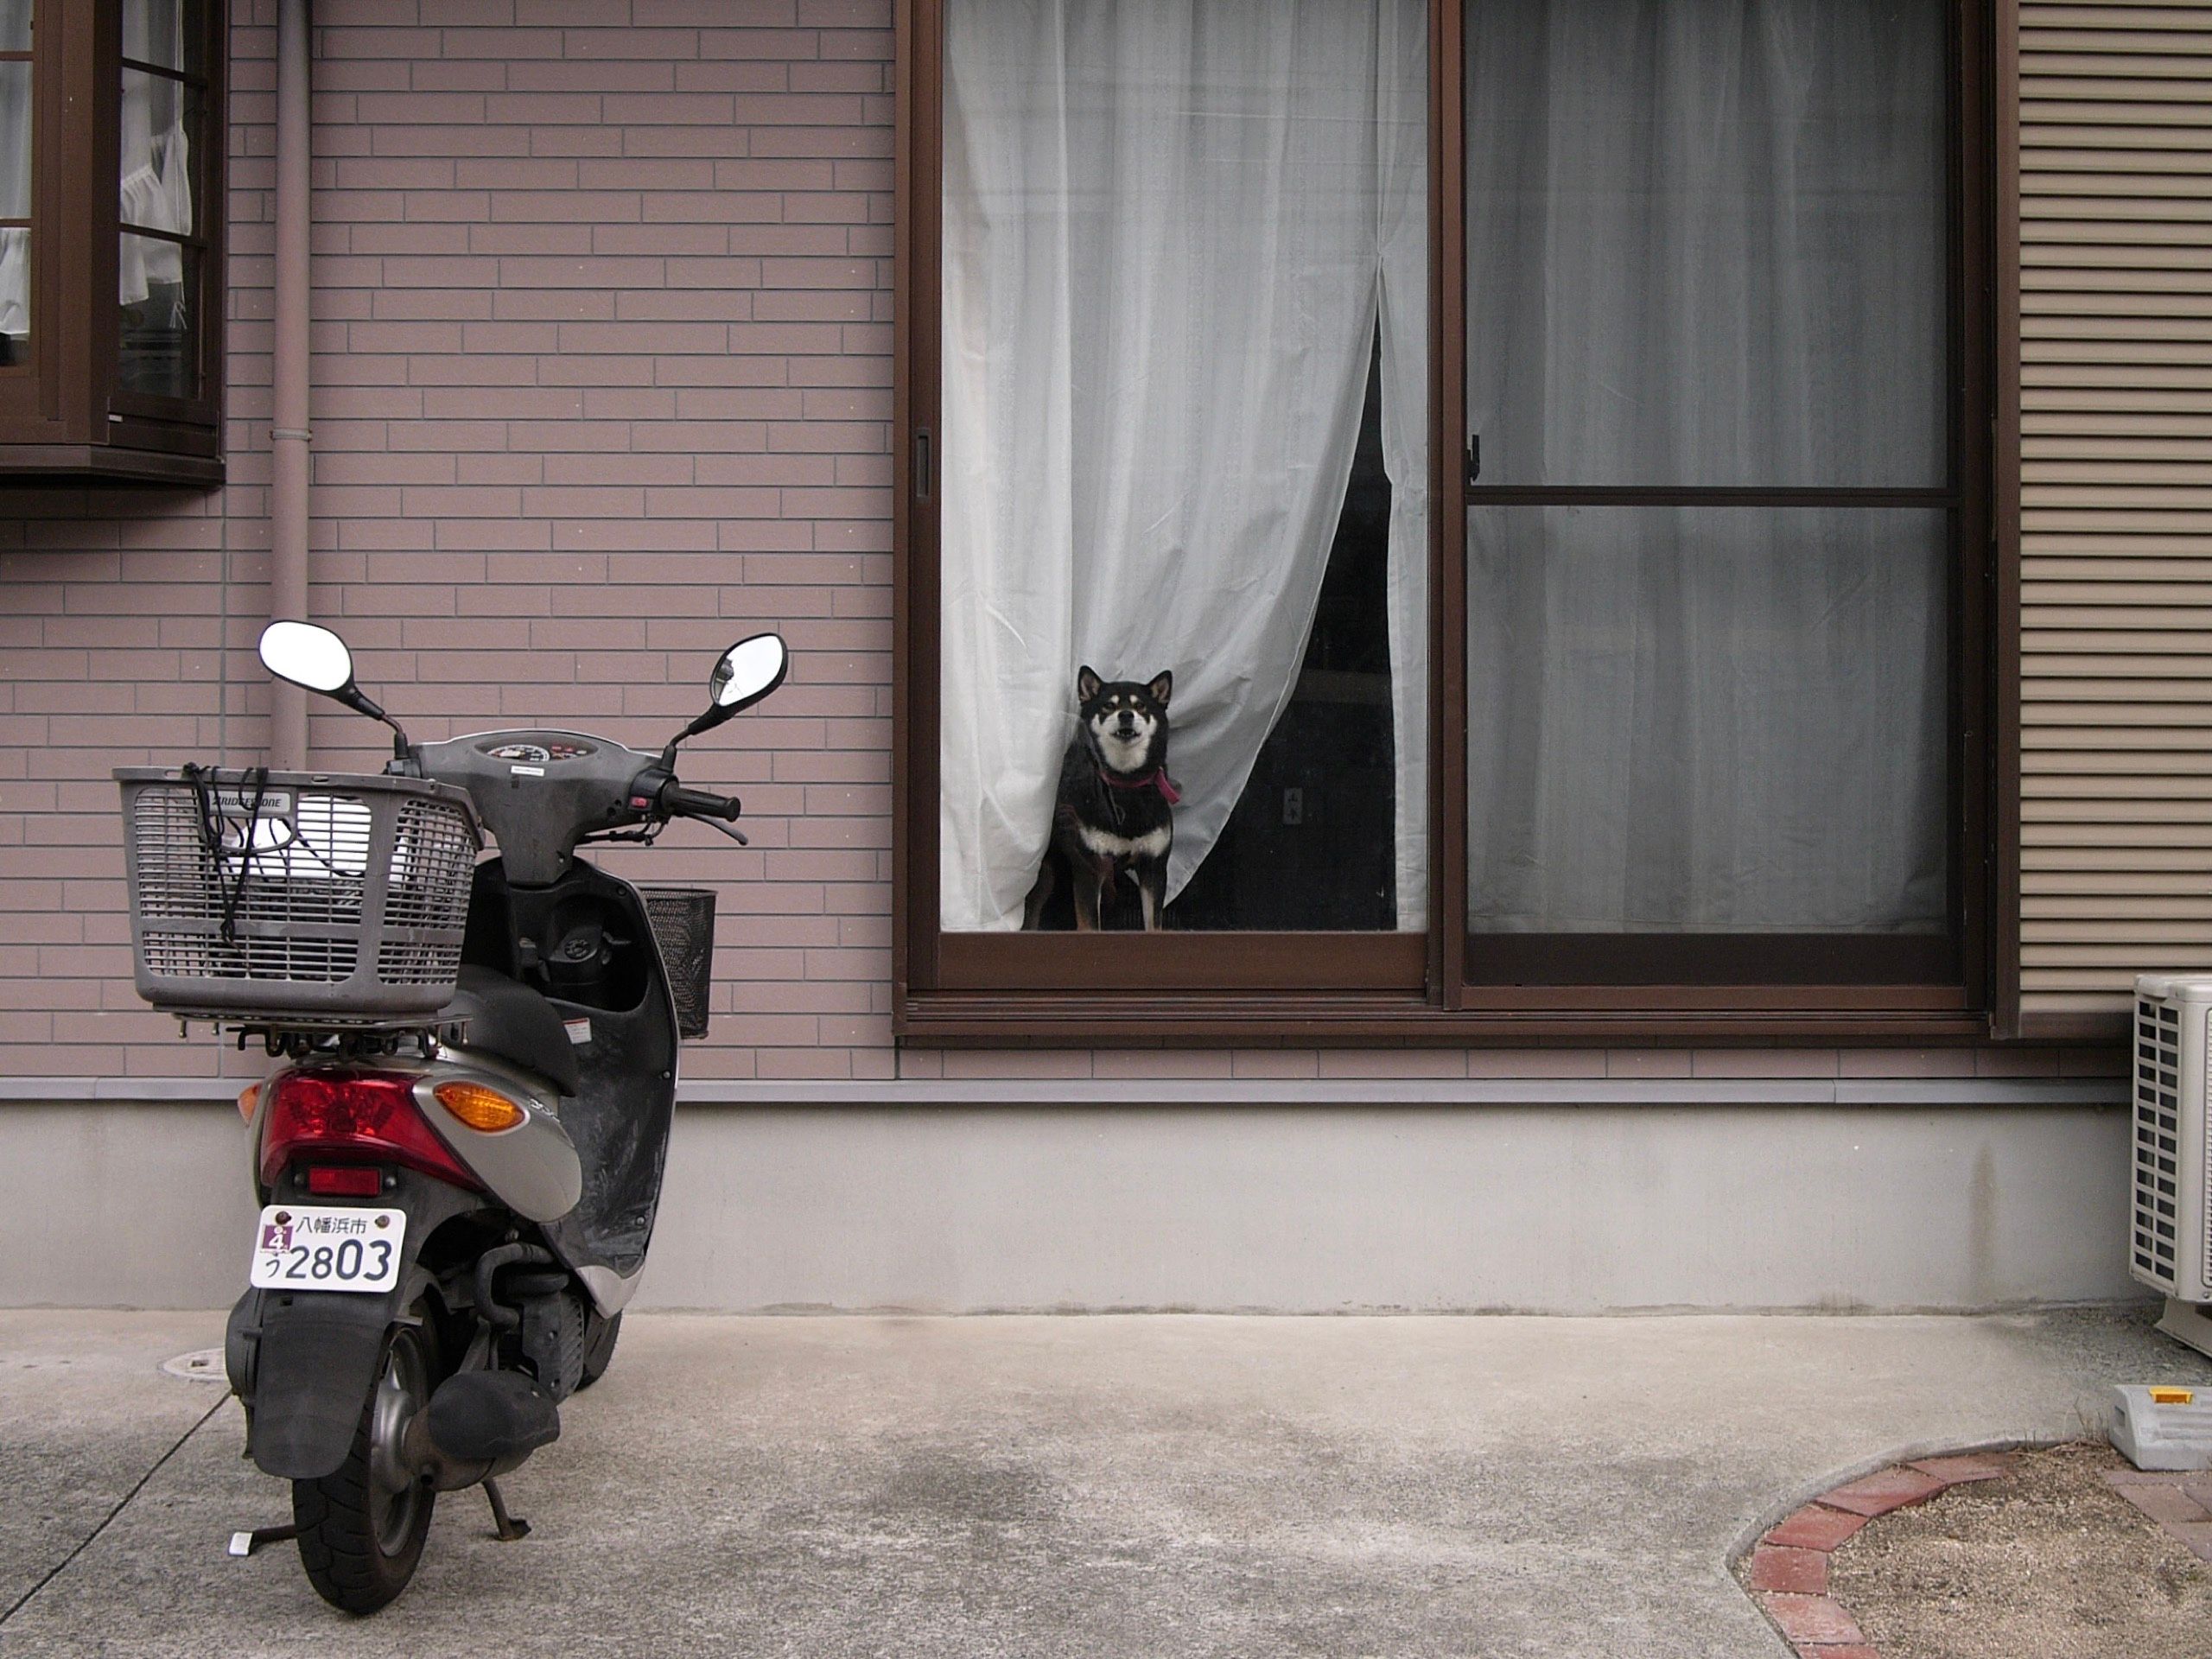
(489, 1416)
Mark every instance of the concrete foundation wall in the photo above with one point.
(1541, 1205)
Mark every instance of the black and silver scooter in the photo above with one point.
(457, 1200)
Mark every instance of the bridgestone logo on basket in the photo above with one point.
(277, 804)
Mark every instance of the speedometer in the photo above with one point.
(534, 753)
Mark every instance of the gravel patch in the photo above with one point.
(2050, 1561)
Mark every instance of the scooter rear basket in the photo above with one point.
(683, 921)
(322, 897)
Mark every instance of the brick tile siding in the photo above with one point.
(601, 328)
(603, 331)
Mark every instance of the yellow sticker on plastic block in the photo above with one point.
(2173, 1396)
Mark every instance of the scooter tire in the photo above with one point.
(599, 1349)
(362, 1528)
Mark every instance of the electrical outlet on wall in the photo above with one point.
(1294, 806)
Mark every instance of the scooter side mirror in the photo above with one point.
(308, 656)
(747, 672)
(317, 659)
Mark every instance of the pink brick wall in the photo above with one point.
(602, 349)
(602, 330)
(111, 635)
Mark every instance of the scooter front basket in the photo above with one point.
(324, 898)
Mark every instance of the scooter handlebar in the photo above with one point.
(678, 801)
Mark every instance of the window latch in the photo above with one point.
(921, 464)
(1474, 457)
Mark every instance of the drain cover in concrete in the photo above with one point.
(201, 1365)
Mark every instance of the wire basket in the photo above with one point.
(327, 897)
(683, 922)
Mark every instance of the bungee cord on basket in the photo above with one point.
(205, 782)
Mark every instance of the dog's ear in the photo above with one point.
(1158, 688)
(1087, 684)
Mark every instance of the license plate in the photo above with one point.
(313, 1247)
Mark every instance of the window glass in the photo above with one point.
(160, 125)
(1708, 251)
(164, 33)
(1721, 720)
(14, 138)
(1705, 242)
(1183, 447)
(159, 257)
(160, 327)
(15, 182)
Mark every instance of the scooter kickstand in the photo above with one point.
(510, 1528)
(243, 1544)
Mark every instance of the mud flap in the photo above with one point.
(317, 1359)
(303, 1361)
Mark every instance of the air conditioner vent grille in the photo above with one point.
(2158, 1138)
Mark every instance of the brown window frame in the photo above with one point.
(1311, 989)
(63, 413)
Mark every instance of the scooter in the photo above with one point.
(457, 1201)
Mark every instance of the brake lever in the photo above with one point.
(729, 829)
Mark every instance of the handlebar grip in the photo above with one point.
(676, 800)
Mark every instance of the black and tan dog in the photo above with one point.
(1114, 814)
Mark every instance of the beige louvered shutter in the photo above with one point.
(2116, 498)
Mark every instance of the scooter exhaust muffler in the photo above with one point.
(477, 1425)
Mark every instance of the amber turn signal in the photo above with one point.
(478, 1107)
(249, 1099)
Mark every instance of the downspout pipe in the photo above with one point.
(289, 435)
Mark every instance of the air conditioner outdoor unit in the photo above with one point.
(2169, 1230)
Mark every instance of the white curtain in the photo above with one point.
(156, 151)
(1705, 246)
(1725, 720)
(1172, 229)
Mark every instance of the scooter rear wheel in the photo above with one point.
(361, 1527)
(598, 1347)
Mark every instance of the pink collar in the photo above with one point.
(1158, 779)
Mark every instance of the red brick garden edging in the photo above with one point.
(2180, 1504)
(1788, 1570)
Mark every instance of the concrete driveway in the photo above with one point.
(1179, 1485)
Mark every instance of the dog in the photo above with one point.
(1114, 815)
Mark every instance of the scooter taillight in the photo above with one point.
(361, 1116)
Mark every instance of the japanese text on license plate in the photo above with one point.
(305, 1247)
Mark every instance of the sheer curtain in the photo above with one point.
(1172, 229)
(15, 173)
(1706, 247)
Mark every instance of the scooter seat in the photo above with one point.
(507, 1018)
